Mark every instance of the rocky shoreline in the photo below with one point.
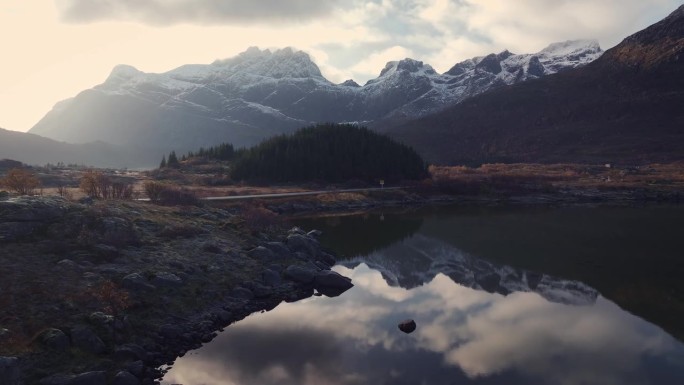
(183, 281)
(577, 196)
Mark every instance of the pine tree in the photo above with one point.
(173, 160)
(163, 162)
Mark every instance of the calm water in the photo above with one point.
(500, 296)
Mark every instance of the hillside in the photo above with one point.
(37, 150)
(625, 107)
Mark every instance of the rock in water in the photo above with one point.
(407, 326)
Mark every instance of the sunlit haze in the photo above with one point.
(51, 50)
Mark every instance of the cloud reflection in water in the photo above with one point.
(463, 335)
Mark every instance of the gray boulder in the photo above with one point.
(302, 243)
(136, 282)
(164, 279)
(278, 248)
(130, 352)
(299, 274)
(262, 253)
(241, 293)
(89, 378)
(9, 370)
(55, 339)
(331, 284)
(271, 278)
(125, 378)
(85, 338)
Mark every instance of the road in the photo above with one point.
(284, 195)
(295, 194)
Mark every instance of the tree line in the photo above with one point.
(325, 152)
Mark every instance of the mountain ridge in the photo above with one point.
(625, 107)
(261, 93)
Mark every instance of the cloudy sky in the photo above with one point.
(51, 50)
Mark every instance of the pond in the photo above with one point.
(499, 295)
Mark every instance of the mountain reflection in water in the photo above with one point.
(463, 336)
(484, 317)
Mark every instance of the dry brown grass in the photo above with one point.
(662, 176)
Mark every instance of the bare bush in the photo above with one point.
(21, 181)
(153, 190)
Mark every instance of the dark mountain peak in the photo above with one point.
(662, 42)
(350, 83)
(490, 63)
(406, 65)
(503, 55)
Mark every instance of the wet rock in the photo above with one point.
(137, 283)
(242, 293)
(99, 318)
(326, 258)
(261, 291)
(407, 326)
(55, 339)
(164, 279)
(224, 316)
(89, 378)
(296, 230)
(9, 370)
(130, 352)
(262, 253)
(125, 378)
(84, 338)
(271, 278)
(331, 284)
(137, 368)
(170, 331)
(302, 243)
(278, 248)
(299, 274)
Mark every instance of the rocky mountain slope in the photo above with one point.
(625, 107)
(258, 94)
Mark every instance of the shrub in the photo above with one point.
(153, 190)
(21, 181)
(98, 185)
(259, 218)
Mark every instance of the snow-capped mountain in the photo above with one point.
(262, 93)
(418, 259)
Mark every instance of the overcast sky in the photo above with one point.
(51, 50)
